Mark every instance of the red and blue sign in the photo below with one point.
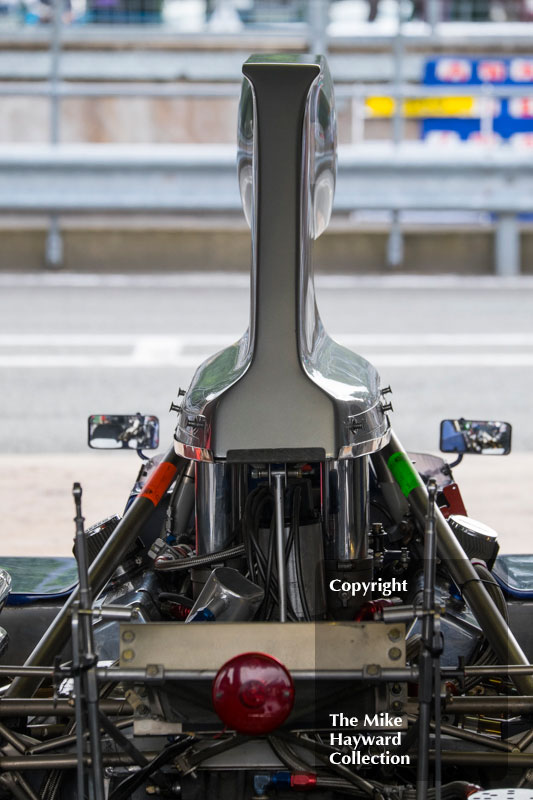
(513, 117)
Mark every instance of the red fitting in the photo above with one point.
(451, 688)
(372, 607)
(472, 789)
(303, 780)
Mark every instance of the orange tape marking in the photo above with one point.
(158, 482)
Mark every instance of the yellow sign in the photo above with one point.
(424, 106)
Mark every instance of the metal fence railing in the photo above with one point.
(401, 105)
(189, 179)
(341, 17)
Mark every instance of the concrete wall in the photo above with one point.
(145, 120)
(225, 245)
(165, 60)
(115, 245)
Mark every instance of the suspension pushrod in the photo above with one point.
(394, 460)
(107, 560)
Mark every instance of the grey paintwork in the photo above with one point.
(285, 391)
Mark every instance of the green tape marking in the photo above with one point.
(404, 473)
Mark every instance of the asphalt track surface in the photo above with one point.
(71, 345)
(75, 345)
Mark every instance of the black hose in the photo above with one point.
(180, 564)
(52, 784)
(197, 757)
(385, 511)
(487, 655)
(287, 755)
(366, 787)
(322, 752)
(257, 560)
(494, 590)
(298, 552)
(254, 504)
(267, 607)
(338, 785)
(291, 615)
(245, 523)
(126, 788)
(291, 760)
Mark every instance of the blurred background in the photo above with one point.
(124, 253)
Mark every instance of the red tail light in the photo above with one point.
(253, 693)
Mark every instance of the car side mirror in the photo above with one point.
(467, 436)
(123, 432)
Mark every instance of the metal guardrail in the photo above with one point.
(231, 18)
(93, 179)
(64, 179)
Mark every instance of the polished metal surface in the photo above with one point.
(346, 499)
(182, 503)
(214, 517)
(228, 596)
(5, 586)
(4, 641)
(285, 391)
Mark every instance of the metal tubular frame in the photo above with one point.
(100, 571)
(427, 644)
(498, 634)
(278, 480)
(84, 659)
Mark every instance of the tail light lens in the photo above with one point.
(253, 693)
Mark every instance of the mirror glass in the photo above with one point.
(481, 437)
(123, 432)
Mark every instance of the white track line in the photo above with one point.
(152, 359)
(181, 341)
(105, 340)
(394, 350)
(240, 280)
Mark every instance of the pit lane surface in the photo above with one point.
(71, 345)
